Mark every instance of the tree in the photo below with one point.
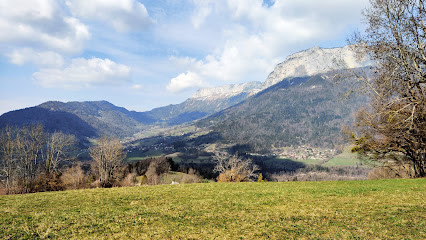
(232, 168)
(8, 156)
(392, 128)
(107, 155)
(30, 141)
(28, 156)
(59, 146)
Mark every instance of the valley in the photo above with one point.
(290, 121)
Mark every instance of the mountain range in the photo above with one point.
(307, 110)
(297, 104)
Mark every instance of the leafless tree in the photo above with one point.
(156, 168)
(59, 146)
(107, 155)
(27, 152)
(392, 128)
(232, 168)
(151, 174)
(29, 144)
(8, 156)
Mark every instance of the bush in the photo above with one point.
(261, 179)
(75, 178)
(232, 168)
(47, 183)
(129, 181)
(230, 176)
(191, 177)
(388, 172)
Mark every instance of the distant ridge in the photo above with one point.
(234, 107)
(297, 111)
(309, 62)
(83, 119)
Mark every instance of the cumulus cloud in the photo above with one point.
(123, 16)
(257, 36)
(42, 24)
(185, 81)
(28, 55)
(84, 73)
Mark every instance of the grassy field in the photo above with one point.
(386, 209)
(347, 158)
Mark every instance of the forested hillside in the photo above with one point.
(298, 111)
(82, 119)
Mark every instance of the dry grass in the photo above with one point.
(380, 209)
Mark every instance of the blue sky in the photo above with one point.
(142, 54)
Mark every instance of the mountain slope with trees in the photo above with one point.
(82, 119)
(298, 111)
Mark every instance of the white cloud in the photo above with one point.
(123, 16)
(256, 36)
(136, 86)
(84, 73)
(185, 81)
(203, 9)
(27, 55)
(41, 24)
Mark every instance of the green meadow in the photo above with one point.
(383, 209)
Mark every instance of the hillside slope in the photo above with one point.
(297, 111)
(193, 109)
(51, 120)
(207, 101)
(83, 119)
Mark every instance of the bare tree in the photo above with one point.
(392, 128)
(8, 156)
(151, 174)
(107, 155)
(156, 168)
(232, 168)
(59, 146)
(28, 152)
(29, 144)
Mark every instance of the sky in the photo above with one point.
(142, 54)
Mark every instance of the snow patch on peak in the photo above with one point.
(314, 61)
(227, 91)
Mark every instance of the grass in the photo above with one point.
(347, 158)
(310, 161)
(137, 156)
(385, 209)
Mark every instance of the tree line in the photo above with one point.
(31, 158)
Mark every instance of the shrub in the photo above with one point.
(231, 175)
(47, 183)
(75, 178)
(232, 168)
(261, 179)
(387, 172)
(129, 181)
(191, 177)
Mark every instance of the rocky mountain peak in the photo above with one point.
(309, 62)
(227, 91)
(314, 61)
